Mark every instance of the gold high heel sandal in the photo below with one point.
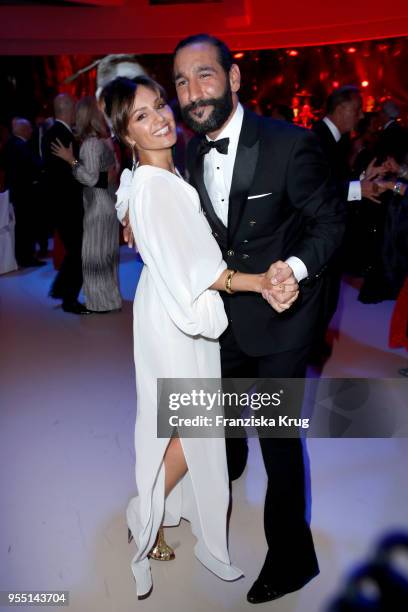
(161, 551)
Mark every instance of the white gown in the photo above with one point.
(177, 322)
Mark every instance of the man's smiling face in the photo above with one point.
(204, 89)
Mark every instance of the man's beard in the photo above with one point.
(222, 108)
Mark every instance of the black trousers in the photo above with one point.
(291, 559)
(68, 282)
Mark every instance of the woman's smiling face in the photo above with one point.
(151, 124)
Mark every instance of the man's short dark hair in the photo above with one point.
(340, 95)
(224, 53)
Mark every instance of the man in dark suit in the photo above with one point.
(22, 168)
(265, 190)
(65, 200)
(344, 109)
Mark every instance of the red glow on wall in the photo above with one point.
(335, 84)
(293, 53)
(351, 50)
(239, 55)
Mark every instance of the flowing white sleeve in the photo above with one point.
(123, 194)
(183, 258)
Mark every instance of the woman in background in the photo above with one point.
(95, 169)
(397, 250)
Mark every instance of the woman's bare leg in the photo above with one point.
(175, 465)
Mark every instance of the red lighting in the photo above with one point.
(351, 50)
(293, 53)
(335, 84)
(364, 83)
(239, 55)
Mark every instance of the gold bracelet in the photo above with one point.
(228, 281)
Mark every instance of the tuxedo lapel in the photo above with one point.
(198, 178)
(244, 170)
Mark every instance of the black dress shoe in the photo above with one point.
(260, 592)
(75, 308)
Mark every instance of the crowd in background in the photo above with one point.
(62, 173)
(62, 179)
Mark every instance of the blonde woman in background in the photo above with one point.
(95, 171)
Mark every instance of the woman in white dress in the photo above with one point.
(178, 317)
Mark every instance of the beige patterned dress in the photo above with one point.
(100, 245)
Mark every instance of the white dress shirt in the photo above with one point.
(354, 190)
(218, 169)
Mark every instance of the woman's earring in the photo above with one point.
(134, 160)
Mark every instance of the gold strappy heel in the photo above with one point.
(161, 551)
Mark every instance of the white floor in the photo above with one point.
(66, 463)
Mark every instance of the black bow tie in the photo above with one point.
(206, 145)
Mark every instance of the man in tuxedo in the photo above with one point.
(344, 109)
(65, 200)
(22, 168)
(265, 190)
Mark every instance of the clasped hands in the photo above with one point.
(375, 181)
(279, 286)
(371, 184)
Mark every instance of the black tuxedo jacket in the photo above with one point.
(64, 191)
(282, 203)
(22, 169)
(336, 155)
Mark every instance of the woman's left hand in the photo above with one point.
(65, 153)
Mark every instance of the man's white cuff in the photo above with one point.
(354, 192)
(298, 267)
